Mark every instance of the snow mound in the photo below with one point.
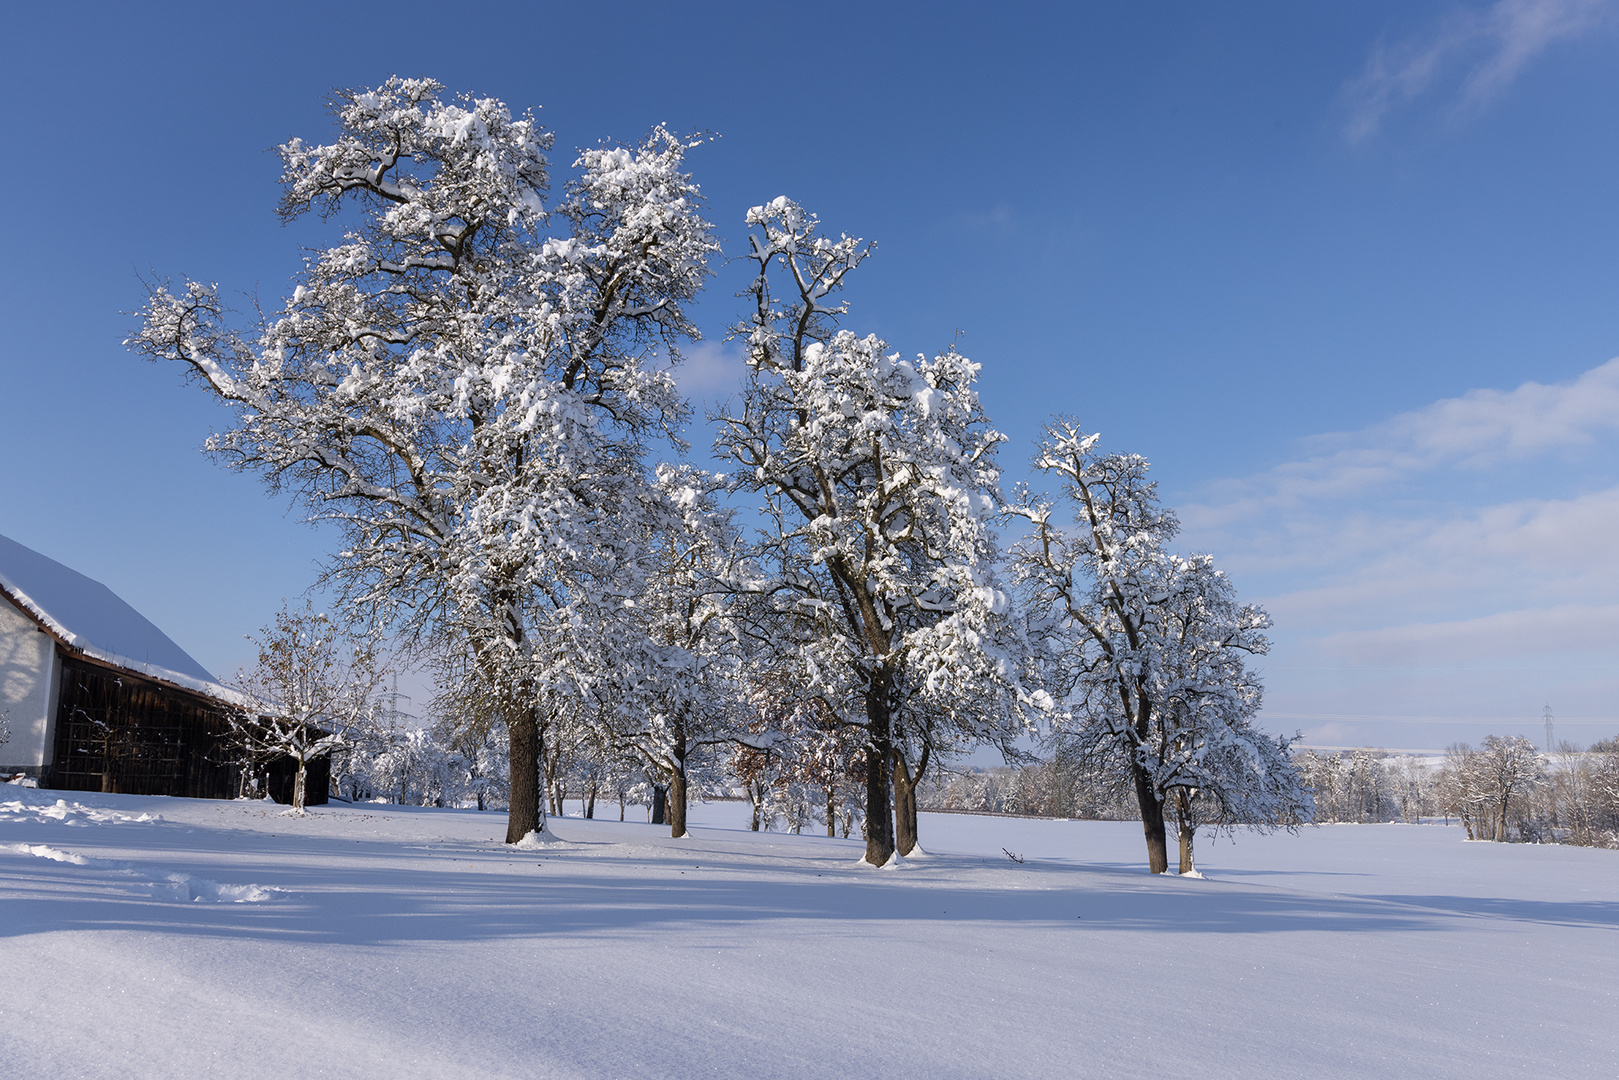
(198, 890)
(168, 886)
(68, 813)
(538, 838)
(45, 851)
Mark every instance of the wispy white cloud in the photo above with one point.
(1480, 53)
(1517, 31)
(711, 370)
(1458, 556)
(1384, 569)
(1480, 430)
(1396, 73)
(1564, 631)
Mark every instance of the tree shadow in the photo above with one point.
(357, 893)
(385, 891)
(1581, 913)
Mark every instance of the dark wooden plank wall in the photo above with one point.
(120, 733)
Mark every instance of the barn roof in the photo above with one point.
(87, 615)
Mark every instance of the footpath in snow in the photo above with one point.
(152, 937)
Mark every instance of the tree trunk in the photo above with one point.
(1152, 821)
(524, 815)
(831, 812)
(907, 834)
(904, 806)
(548, 774)
(879, 748)
(677, 787)
(677, 805)
(1185, 827)
(298, 783)
(590, 802)
(660, 796)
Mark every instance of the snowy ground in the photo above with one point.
(145, 937)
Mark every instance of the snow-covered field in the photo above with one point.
(148, 937)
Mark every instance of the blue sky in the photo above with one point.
(1346, 274)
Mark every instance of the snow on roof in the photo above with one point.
(89, 616)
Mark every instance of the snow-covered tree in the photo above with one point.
(1506, 767)
(830, 766)
(485, 760)
(1603, 758)
(677, 700)
(879, 486)
(800, 756)
(1411, 788)
(465, 384)
(951, 719)
(1480, 785)
(313, 686)
(615, 777)
(591, 776)
(1458, 790)
(760, 770)
(1368, 788)
(1148, 650)
(1321, 775)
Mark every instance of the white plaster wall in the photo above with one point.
(27, 690)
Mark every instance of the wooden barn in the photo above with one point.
(98, 699)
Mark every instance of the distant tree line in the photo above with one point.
(1503, 790)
